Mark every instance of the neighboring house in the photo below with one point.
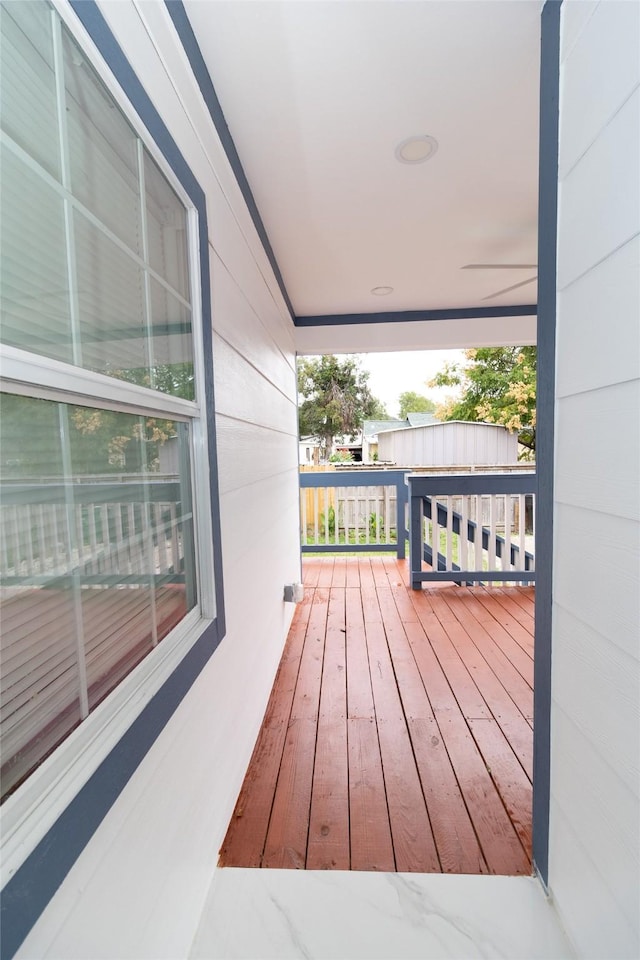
(370, 431)
(132, 243)
(309, 449)
(451, 444)
(372, 428)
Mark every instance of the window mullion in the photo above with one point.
(148, 537)
(72, 560)
(65, 166)
(145, 257)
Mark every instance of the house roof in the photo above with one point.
(372, 427)
(421, 419)
(447, 424)
(319, 96)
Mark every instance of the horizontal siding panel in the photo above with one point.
(602, 594)
(590, 671)
(609, 36)
(257, 401)
(228, 241)
(248, 528)
(599, 435)
(583, 898)
(587, 789)
(250, 333)
(607, 350)
(590, 231)
(248, 454)
(575, 17)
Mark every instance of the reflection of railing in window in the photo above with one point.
(122, 533)
(93, 575)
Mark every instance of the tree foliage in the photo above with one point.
(411, 402)
(498, 386)
(101, 441)
(335, 398)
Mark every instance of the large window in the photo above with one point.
(100, 410)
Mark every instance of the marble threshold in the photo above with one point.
(253, 914)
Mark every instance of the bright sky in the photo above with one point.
(393, 373)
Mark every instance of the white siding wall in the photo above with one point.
(138, 888)
(595, 807)
(448, 444)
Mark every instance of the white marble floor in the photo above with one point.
(280, 914)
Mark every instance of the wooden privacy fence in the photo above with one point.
(354, 512)
(472, 529)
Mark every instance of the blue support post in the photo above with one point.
(402, 499)
(415, 541)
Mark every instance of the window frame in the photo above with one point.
(35, 806)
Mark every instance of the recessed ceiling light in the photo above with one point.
(382, 291)
(416, 149)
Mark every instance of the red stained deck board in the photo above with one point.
(325, 578)
(339, 577)
(495, 633)
(307, 693)
(370, 831)
(456, 841)
(493, 827)
(512, 783)
(244, 844)
(459, 678)
(495, 613)
(311, 571)
(359, 694)
(391, 740)
(328, 844)
(353, 572)
(413, 843)
(524, 597)
(494, 674)
(286, 843)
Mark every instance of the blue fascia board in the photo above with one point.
(412, 316)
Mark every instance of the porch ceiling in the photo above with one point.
(317, 96)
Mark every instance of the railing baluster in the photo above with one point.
(367, 515)
(506, 551)
(493, 514)
(521, 532)
(478, 533)
(316, 509)
(449, 533)
(303, 515)
(464, 534)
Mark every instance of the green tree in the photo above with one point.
(335, 398)
(411, 402)
(498, 386)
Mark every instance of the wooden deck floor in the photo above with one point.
(398, 735)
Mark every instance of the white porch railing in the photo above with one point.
(353, 512)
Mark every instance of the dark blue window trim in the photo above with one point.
(546, 341)
(27, 893)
